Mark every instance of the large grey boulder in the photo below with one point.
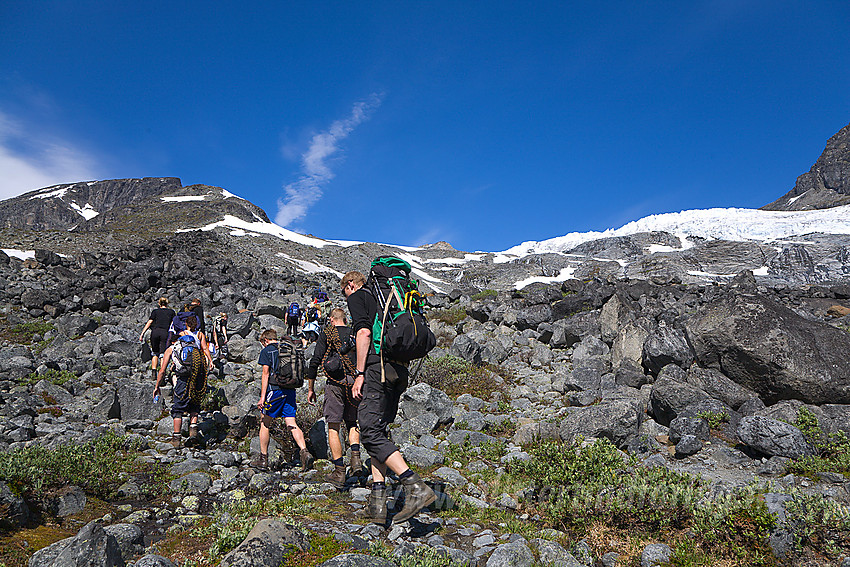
(719, 386)
(773, 437)
(268, 306)
(655, 555)
(135, 401)
(617, 421)
(666, 345)
(553, 553)
(466, 348)
(153, 561)
(772, 350)
(266, 545)
(240, 324)
(74, 325)
(514, 554)
(670, 397)
(422, 398)
(628, 344)
(16, 513)
(91, 547)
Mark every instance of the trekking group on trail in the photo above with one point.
(365, 365)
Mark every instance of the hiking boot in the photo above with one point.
(417, 495)
(356, 464)
(337, 478)
(376, 505)
(261, 462)
(306, 460)
(193, 439)
(176, 440)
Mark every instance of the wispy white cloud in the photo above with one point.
(30, 161)
(316, 172)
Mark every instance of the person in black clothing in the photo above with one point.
(378, 408)
(339, 404)
(158, 323)
(199, 313)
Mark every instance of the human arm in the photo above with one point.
(145, 330)
(166, 358)
(313, 368)
(205, 346)
(363, 339)
(264, 386)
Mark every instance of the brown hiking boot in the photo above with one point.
(176, 440)
(337, 478)
(261, 462)
(376, 505)
(306, 460)
(193, 439)
(417, 495)
(356, 464)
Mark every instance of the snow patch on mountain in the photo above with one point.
(241, 228)
(87, 211)
(713, 224)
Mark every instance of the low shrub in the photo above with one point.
(95, 466)
(456, 376)
(832, 450)
(484, 294)
(58, 377)
(450, 316)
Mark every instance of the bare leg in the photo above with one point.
(353, 436)
(333, 440)
(265, 434)
(178, 424)
(297, 434)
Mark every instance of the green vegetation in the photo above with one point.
(23, 333)
(451, 316)
(832, 451)
(715, 419)
(484, 294)
(58, 377)
(456, 376)
(96, 466)
(578, 487)
(420, 557)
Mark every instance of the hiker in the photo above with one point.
(310, 333)
(191, 357)
(178, 323)
(199, 313)
(379, 406)
(293, 319)
(277, 401)
(158, 324)
(334, 352)
(220, 335)
(313, 314)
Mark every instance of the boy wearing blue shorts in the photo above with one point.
(276, 402)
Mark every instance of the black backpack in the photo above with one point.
(290, 364)
(400, 331)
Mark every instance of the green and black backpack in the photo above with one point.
(400, 331)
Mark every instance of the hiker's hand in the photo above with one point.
(311, 396)
(155, 391)
(357, 388)
(260, 404)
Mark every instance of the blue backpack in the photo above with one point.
(294, 310)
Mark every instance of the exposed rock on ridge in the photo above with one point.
(826, 184)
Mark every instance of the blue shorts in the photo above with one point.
(279, 403)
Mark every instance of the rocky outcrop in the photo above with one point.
(826, 184)
(772, 350)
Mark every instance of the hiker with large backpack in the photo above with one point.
(190, 356)
(335, 354)
(293, 319)
(283, 372)
(390, 331)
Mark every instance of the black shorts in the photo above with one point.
(159, 341)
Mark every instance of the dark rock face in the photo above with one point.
(826, 184)
(771, 350)
(92, 546)
(31, 212)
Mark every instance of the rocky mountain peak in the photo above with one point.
(826, 184)
(63, 207)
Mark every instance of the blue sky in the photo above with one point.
(481, 123)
